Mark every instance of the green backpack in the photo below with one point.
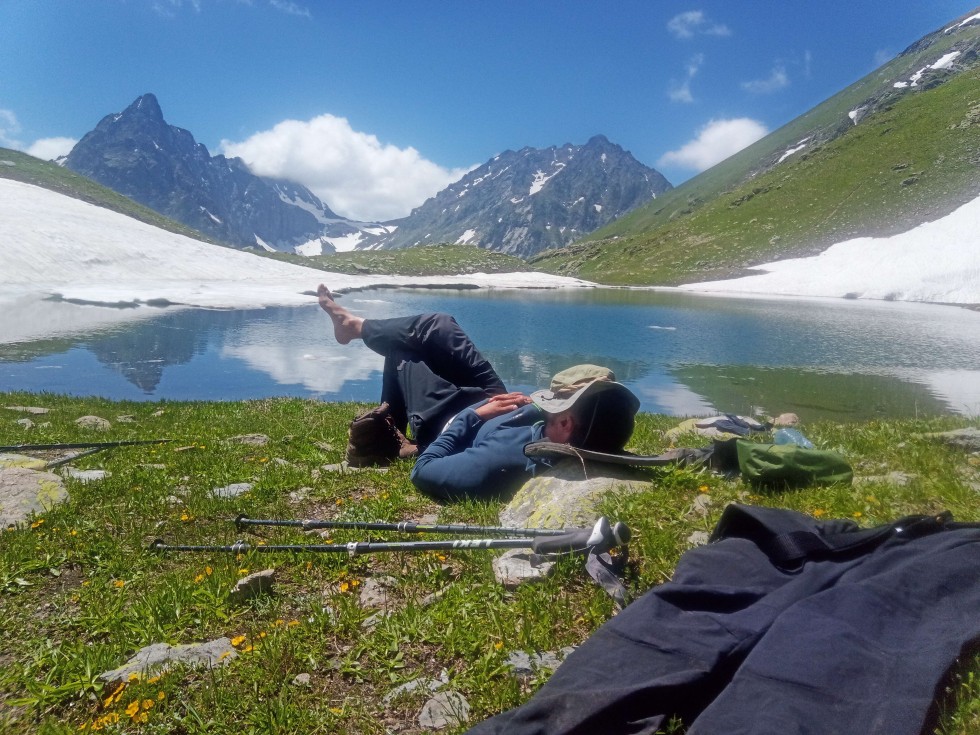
(787, 465)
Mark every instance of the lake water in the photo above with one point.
(682, 354)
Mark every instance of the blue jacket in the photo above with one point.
(476, 458)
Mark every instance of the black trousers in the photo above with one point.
(781, 625)
(432, 371)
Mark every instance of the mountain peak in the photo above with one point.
(145, 106)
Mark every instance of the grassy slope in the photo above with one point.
(79, 592)
(915, 160)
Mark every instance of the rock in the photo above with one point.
(161, 657)
(567, 496)
(33, 410)
(301, 680)
(524, 664)
(785, 420)
(254, 440)
(93, 422)
(376, 592)
(422, 684)
(968, 438)
(445, 709)
(25, 423)
(300, 494)
(253, 585)
(700, 506)
(899, 479)
(25, 492)
(373, 621)
(698, 538)
(517, 566)
(343, 468)
(86, 475)
(232, 491)
(126, 419)
(21, 460)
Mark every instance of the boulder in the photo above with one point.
(567, 494)
(25, 492)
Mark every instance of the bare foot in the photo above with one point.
(346, 326)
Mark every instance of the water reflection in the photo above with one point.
(683, 354)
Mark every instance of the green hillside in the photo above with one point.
(913, 157)
(30, 170)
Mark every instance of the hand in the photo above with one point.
(500, 404)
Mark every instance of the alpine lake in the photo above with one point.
(682, 354)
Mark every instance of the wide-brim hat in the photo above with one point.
(576, 382)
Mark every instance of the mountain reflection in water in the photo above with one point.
(682, 354)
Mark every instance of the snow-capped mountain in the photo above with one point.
(523, 202)
(139, 155)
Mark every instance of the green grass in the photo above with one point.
(915, 160)
(424, 260)
(80, 593)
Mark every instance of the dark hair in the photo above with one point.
(604, 422)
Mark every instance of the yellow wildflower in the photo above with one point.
(858, 514)
(199, 578)
(73, 532)
(344, 586)
(237, 640)
(498, 645)
(208, 570)
(243, 572)
(248, 649)
(119, 583)
(292, 623)
(818, 512)
(133, 707)
(148, 704)
(153, 679)
(336, 710)
(161, 696)
(37, 523)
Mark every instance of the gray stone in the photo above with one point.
(159, 658)
(899, 479)
(25, 492)
(25, 423)
(301, 680)
(300, 494)
(422, 684)
(567, 494)
(86, 475)
(445, 709)
(700, 506)
(33, 410)
(377, 592)
(373, 621)
(517, 566)
(93, 422)
(232, 491)
(698, 538)
(786, 419)
(21, 460)
(968, 438)
(524, 664)
(254, 440)
(252, 585)
(126, 419)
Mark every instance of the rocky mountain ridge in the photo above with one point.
(136, 153)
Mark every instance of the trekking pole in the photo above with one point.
(242, 522)
(81, 445)
(599, 538)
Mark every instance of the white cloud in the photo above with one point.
(353, 173)
(778, 79)
(715, 142)
(9, 129)
(291, 8)
(47, 149)
(681, 92)
(694, 22)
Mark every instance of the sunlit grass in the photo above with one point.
(80, 593)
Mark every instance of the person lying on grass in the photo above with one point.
(469, 431)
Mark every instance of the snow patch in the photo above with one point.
(541, 178)
(466, 237)
(937, 262)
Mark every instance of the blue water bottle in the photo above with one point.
(791, 436)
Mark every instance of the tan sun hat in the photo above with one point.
(570, 385)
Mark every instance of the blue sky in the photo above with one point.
(377, 105)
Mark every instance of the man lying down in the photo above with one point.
(467, 430)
